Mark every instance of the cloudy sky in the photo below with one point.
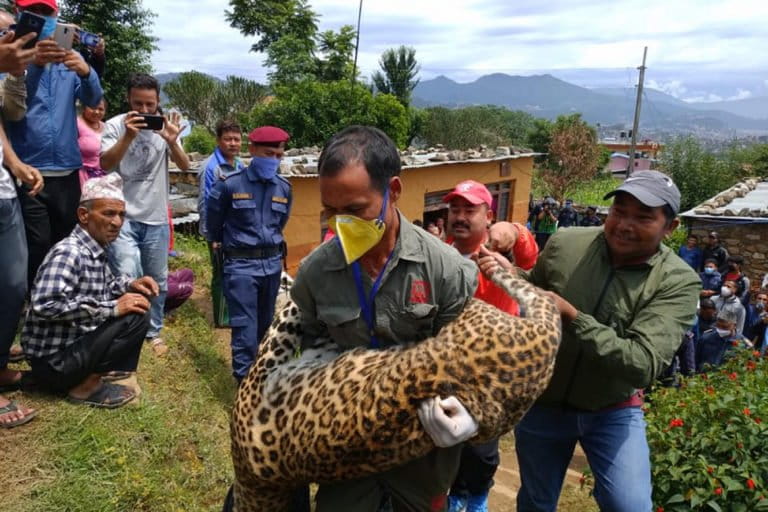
(698, 50)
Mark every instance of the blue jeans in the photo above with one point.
(142, 250)
(614, 443)
(13, 277)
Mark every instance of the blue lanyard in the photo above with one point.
(367, 303)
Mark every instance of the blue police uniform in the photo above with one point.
(247, 213)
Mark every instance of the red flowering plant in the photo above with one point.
(709, 445)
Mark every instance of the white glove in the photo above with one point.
(447, 422)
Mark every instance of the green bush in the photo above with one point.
(469, 127)
(199, 141)
(313, 111)
(708, 441)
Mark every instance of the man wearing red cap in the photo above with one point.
(46, 138)
(469, 219)
(246, 213)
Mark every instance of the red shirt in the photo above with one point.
(525, 249)
(488, 291)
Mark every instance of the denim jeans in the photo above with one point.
(142, 250)
(613, 441)
(13, 276)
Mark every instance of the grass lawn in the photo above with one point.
(167, 452)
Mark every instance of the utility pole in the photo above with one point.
(636, 122)
(357, 41)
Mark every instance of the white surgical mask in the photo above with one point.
(725, 291)
(723, 333)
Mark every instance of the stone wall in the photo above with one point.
(750, 241)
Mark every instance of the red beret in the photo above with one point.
(269, 134)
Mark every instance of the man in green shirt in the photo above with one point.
(381, 282)
(625, 300)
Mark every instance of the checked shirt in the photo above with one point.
(74, 293)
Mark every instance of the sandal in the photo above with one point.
(108, 396)
(16, 354)
(13, 407)
(115, 375)
(159, 347)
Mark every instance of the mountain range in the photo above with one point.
(547, 96)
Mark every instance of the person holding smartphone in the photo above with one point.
(47, 137)
(13, 257)
(140, 155)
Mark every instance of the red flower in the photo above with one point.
(710, 469)
(747, 412)
(710, 390)
(755, 353)
(719, 491)
(733, 376)
(659, 509)
(750, 483)
(751, 365)
(735, 343)
(676, 422)
(757, 420)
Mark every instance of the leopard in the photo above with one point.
(329, 415)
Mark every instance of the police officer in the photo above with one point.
(247, 211)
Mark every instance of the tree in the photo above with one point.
(539, 136)
(207, 100)
(697, 173)
(399, 69)
(573, 155)
(126, 28)
(471, 127)
(271, 20)
(192, 94)
(289, 37)
(338, 49)
(312, 111)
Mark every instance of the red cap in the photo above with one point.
(268, 134)
(26, 3)
(472, 191)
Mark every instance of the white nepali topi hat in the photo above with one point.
(103, 187)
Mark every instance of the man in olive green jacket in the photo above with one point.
(625, 300)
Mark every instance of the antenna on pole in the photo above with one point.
(357, 41)
(636, 121)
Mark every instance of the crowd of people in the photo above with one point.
(85, 220)
(84, 227)
(732, 313)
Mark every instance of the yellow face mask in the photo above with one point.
(358, 236)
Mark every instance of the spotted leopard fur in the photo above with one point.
(328, 416)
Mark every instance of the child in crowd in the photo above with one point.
(711, 281)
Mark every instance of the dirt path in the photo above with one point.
(507, 479)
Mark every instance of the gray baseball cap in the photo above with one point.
(652, 188)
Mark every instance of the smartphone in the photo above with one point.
(154, 122)
(29, 22)
(89, 39)
(64, 35)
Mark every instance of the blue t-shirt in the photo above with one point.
(691, 256)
